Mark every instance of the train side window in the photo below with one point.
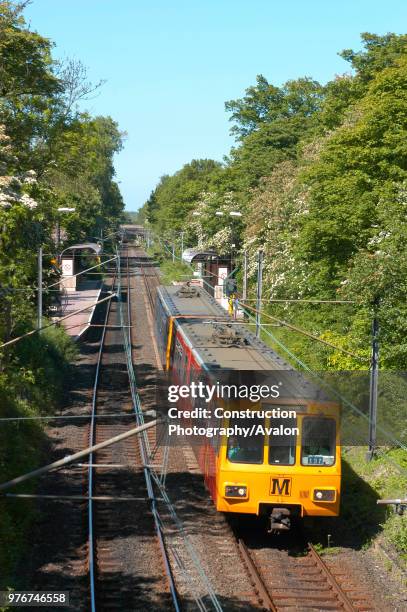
(184, 365)
(213, 422)
(248, 449)
(178, 355)
(318, 441)
(282, 447)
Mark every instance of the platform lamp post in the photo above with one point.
(259, 291)
(234, 214)
(196, 213)
(244, 291)
(39, 284)
(182, 243)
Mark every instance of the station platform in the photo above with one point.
(87, 294)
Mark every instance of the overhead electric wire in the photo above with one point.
(394, 441)
(102, 263)
(284, 323)
(299, 300)
(189, 265)
(63, 417)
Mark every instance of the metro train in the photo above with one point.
(283, 478)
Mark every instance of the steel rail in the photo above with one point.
(148, 287)
(92, 440)
(258, 582)
(330, 578)
(266, 596)
(150, 490)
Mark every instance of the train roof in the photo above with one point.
(223, 344)
(201, 304)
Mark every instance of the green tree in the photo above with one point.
(265, 103)
(175, 196)
(362, 160)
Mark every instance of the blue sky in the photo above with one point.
(171, 64)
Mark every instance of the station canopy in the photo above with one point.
(86, 246)
(197, 255)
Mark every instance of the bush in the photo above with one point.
(32, 383)
(175, 271)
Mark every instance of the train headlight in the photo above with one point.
(324, 495)
(239, 491)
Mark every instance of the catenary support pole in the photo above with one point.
(259, 291)
(39, 296)
(374, 375)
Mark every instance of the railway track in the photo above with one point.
(119, 473)
(302, 580)
(144, 450)
(150, 277)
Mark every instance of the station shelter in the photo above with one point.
(212, 270)
(72, 263)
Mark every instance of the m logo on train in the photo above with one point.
(280, 486)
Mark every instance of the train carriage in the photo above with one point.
(298, 476)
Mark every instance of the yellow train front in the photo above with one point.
(293, 469)
(283, 476)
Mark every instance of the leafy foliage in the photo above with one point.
(51, 155)
(176, 196)
(319, 175)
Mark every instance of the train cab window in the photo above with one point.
(178, 352)
(318, 441)
(248, 449)
(282, 447)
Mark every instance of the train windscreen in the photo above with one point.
(282, 446)
(318, 441)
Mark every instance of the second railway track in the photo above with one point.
(120, 506)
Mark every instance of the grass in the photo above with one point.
(326, 550)
(384, 478)
(32, 382)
